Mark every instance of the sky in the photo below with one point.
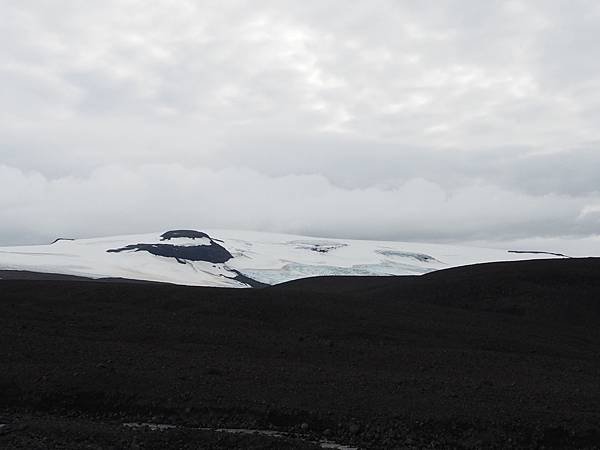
(451, 120)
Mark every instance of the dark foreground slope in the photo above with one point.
(504, 355)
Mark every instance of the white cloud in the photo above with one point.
(117, 200)
(480, 98)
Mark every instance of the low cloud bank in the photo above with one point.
(119, 200)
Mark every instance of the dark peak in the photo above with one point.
(190, 234)
(536, 252)
(213, 253)
(61, 239)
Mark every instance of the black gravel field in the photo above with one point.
(503, 355)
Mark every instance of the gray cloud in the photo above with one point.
(116, 200)
(404, 117)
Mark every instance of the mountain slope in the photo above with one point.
(431, 361)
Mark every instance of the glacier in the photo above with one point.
(234, 258)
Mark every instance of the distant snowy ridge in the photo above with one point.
(537, 252)
(228, 258)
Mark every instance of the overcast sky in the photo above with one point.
(392, 119)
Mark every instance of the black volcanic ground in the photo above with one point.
(496, 355)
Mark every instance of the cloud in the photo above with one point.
(476, 99)
(117, 200)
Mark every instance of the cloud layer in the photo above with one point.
(383, 119)
(115, 200)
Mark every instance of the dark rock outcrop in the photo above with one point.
(190, 234)
(213, 253)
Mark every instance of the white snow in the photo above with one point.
(183, 242)
(266, 257)
(324, 443)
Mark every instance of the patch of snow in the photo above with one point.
(324, 443)
(150, 426)
(184, 242)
